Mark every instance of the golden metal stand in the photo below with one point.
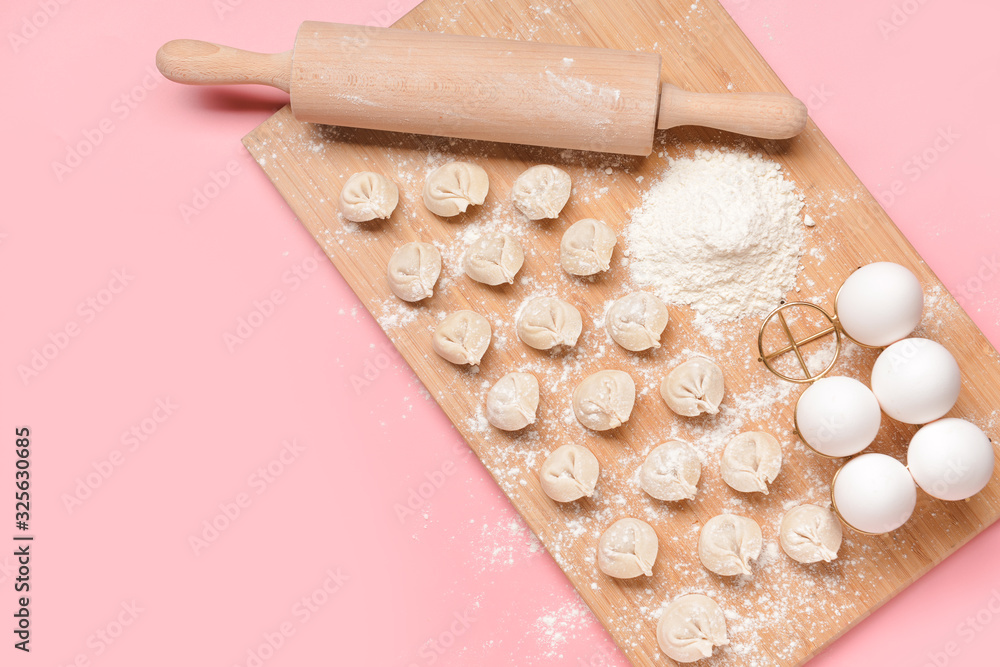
(794, 345)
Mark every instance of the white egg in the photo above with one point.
(951, 459)
(874, 493)
(837, 416)
(916, 380)
(880, 303)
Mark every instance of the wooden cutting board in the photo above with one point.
(785, 612)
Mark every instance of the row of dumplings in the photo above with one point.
(670, 472)
(539, 192)
(496, 257)
(601, 401)
(635, 322)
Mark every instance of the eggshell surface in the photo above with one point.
(880, 304)
(951, 459)
(916, 380)
(874, 493)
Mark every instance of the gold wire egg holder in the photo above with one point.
(835, 328)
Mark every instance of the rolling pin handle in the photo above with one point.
(763, 115)
(204, 64)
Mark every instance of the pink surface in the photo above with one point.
(152, 247)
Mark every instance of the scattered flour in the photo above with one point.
(783, 599)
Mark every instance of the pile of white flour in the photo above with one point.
(720, 232)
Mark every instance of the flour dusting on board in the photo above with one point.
(721, 232)
(785, 610)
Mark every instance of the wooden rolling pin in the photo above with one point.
(480, 88)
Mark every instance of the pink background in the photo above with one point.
(882, 97)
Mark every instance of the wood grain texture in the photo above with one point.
(476, 88)
(785, 613)
(200, 63)
(761, 115)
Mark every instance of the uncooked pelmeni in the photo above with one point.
(569, 473)
(636, 321)
(728, 543)
(546, 322)
(452, 188)
(367, 195)
(586, 247)
(751, 461)
(512, 403)
(604, 400)
(627, 549)
(541, 191)
(693, 388)
(462, 337)
(413, 270)
(810, 533)
(690, 627)
(493, 259)
(671, 471)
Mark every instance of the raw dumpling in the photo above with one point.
(452, 188)
(636, 321)
(627, 549)
(751, 461)
(728, 543)
(494, 258)
(462, 337)
(569, 473)
(367, 195)
(690, 627)
(604, 400)
(546, 322)
(694, 387)
(413, 270)
(512, 402)
(810, 534)
(671, 471)
(587, 247)
(541, 191)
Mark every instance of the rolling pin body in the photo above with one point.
(476, 88)
(521, 92)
